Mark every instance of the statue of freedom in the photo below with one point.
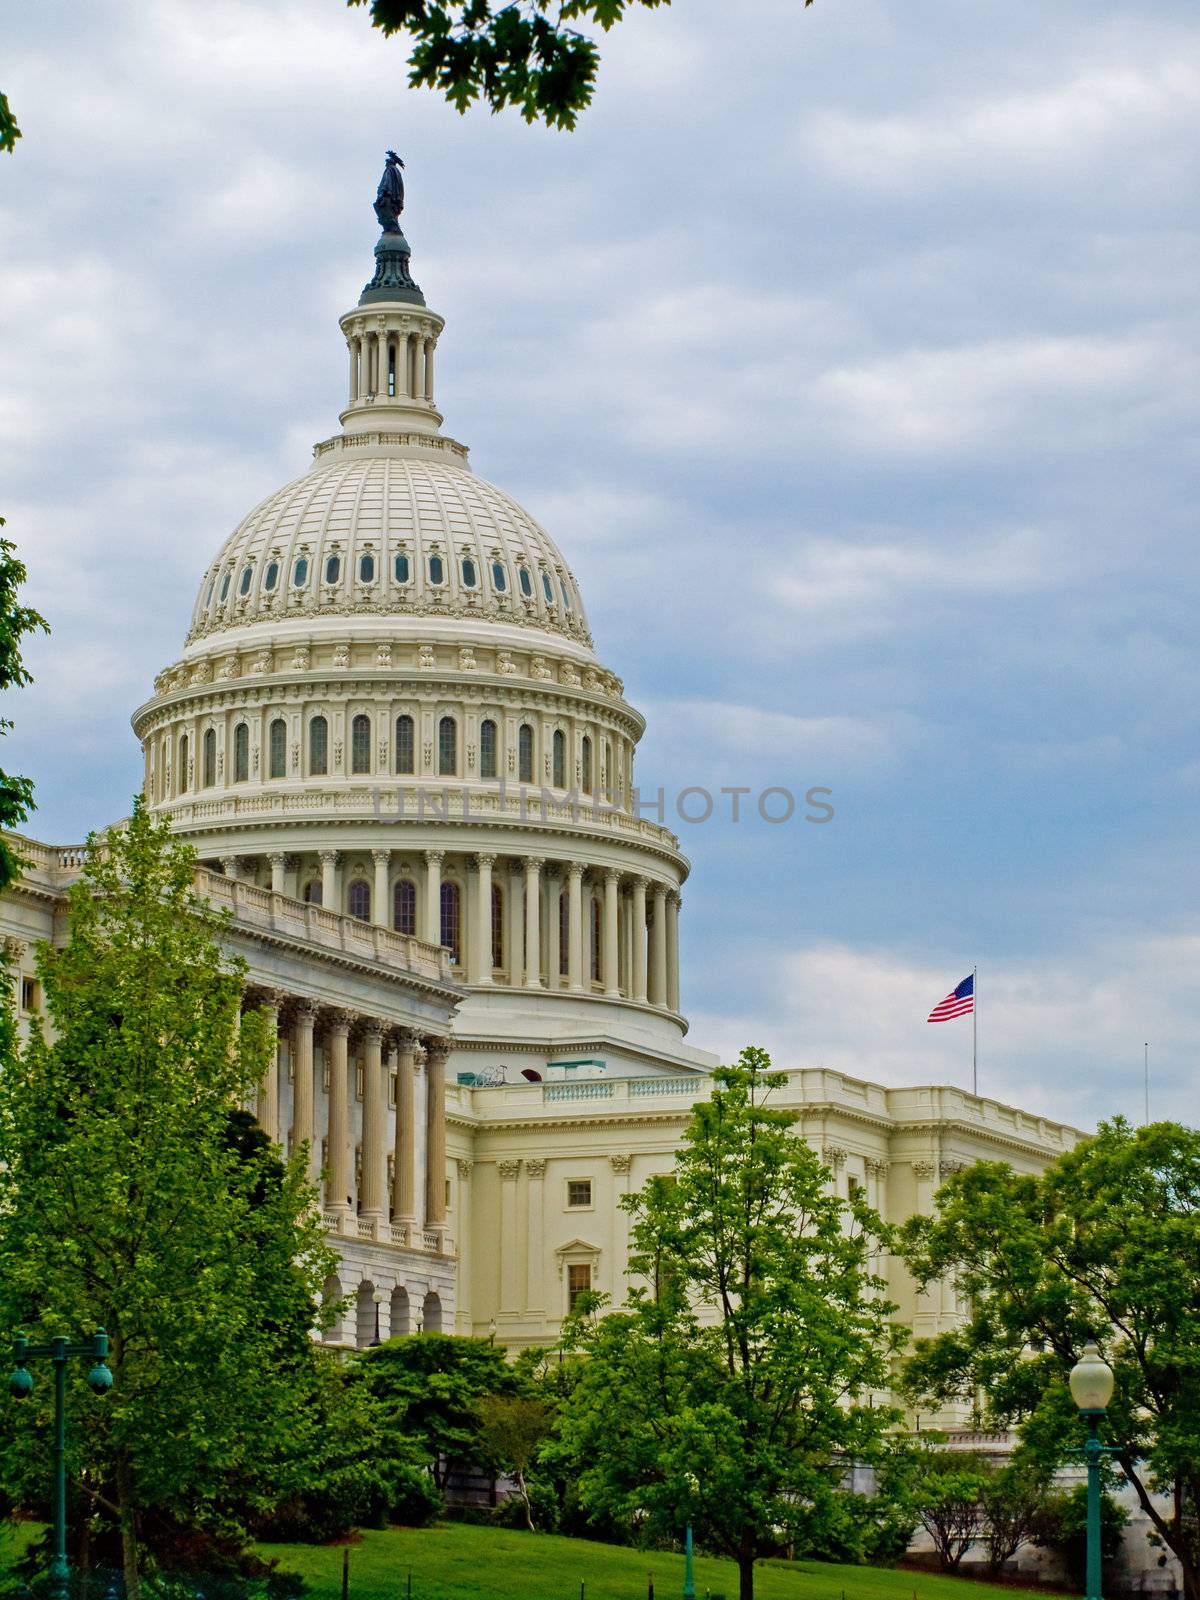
(389, 198)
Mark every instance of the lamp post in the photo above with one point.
(689, 1573)
(379, 1297)
(1091, 1383)
(492, 1331)
(20, 1387)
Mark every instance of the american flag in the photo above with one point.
(959, 1002)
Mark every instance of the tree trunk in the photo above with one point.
(525, 1499)
(129, 1543)
(746, 1568)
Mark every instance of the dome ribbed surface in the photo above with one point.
(364, 535)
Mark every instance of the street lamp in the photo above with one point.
(379, 1297)
(20, 1387)
(1091, 1383)
(492, 1331)
(689, 1574)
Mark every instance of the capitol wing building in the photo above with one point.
(410, 778)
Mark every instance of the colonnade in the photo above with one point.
(391, 364)
(363, 1057)
(523, 921)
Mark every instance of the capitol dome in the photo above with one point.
(376, 532)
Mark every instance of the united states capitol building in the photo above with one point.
(410, 778)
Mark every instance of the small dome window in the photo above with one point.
(225, 588)
(437, 570)
(212, 584)
(470, 576)
(300, 573)
(333, 569)
(402, 570)
(499, 577)
(547, 588)
(562, 584)
(526, 582)
(271, 576)
(247, 575)
(366, 568)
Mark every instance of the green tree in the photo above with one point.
(9, 132)
(527, 53)
(131, 1197)
(429, 1388)
(1107, 1238)
(734, 1390)
(514, 1427)
(16, 622)
(947, 1495)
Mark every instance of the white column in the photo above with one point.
(278, 871)
(658, 948)
(436, 1051)
(673, 904)
(404, 1203)
(352, 347)
(268, 1094)
(611, 881)
(638, 964)
(381, 911)
(337, 1188)
(553, 928)
(516, 924)
(575, 925)
(429, 343)
(329, 880)
(432, 929)
(481, 945)
(535, 1252)
(508, 1242)
(374, 1169)
(533, 927)
(302, 1086)
(229, 866)
(419, 367)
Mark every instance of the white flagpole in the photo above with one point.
(975, 1031)
(1146, 1078)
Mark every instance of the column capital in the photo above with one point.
(436, 1050)
(464, 1167)
(229, 866)
(576, 869)
(434, 858)
(508, 1170)
(674, 898)
(533, 863)
(535, 1168)
(381, 857)
(329, 858)
(371, 1028)
(620, 1164)
(639, 880)
(924, 1168)
(263, 999)
(485, 858)
(338, 1022)
(303, 1011)
(612, 874)
(278, 858)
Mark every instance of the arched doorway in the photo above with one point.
(401, 1312)
(431, 1314)
(364, 1333)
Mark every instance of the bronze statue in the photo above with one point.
(389, 198)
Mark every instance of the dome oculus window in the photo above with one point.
(499, 577)
(547, 588)
(271, 576)
(300, 573)
(402, 569)
(333, 569)
(469, 575)
(526, 582)
(366, 568)
(437, 570)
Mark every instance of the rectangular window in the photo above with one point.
(360, 1081)
(31, 994)
(579, 1281)
(579, 1192)
(392, 1088)
(853, 1186)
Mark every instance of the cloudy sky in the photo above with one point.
(850, 354)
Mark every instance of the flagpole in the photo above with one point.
(1146, 1078)
(975, 1031)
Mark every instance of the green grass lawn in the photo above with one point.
(453, 1561)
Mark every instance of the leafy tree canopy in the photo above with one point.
(1107, 1239)
(16, 622)
(734, 1391)
(134, 1197)
(530, 54)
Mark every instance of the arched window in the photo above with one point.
(318, 747)
(499, 577)
(404, 906)
(606, 777)
(300, 573)
(525, 753)
(278, 748)
(497, 925)
(447, 747)
(596, 936)
(241, 753)
(210, 758)
(402, 569)
(366, 568)
(360, 744)
(247, 576)
(450, 919)
(560, 759)
(487, 748)
(586, 762)
(547, 589)
(181, 776)
(271, 576)
(526, 582)
(564, 935)
(314, 894)
(358, 900)
(437, 570)
(225, 582)
(405, 744)
(333, 569)
(470, 576)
